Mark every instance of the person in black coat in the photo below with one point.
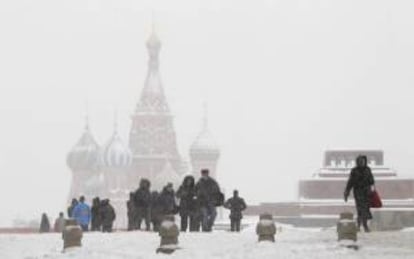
(44, 224)
(96, 215)
(156, 210)
(236, 205)
(142, 200)
(71, 207)
(107, 215)
(187, 208)
(361, 181)
(196, 217)
(131, 212)
(167, 199)
(208, 196)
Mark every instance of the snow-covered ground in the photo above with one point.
(290, 243)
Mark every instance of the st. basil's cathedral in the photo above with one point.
(114, 169)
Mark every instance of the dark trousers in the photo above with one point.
(189, 220)
(95, 225)
(107, 228)
(235, 224)
(364, 222)
(144, 214)
(209, 214)
(195, 221)
(84, 228)
(132, 222)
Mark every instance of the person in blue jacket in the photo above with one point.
(82, 214)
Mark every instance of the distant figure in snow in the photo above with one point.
(167, 197)
(132, 213)
(107, 215)
(59, 223)
(196, 215)
(71, 207)
(82, 214)
(236, 205)
(143, 204)
(156, 210)
(186, 194)
(209, 196)
(362, 182)
(96, 215)
(44, 224)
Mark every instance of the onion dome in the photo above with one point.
(205, 143)
(85, 154)
(115, 153)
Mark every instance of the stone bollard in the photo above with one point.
(168, 232)
(266, 228)
(347, 230)
(72, 234)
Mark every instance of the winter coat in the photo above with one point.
(44, 224)
(107, 215)
(142, 198)
(236, 205)
(167, 200)
(131, 210)
(96, 216)
(157, 207)
(186, 193)
(360, 181)
(207, 191)
(71, 207)
(82, 214)
(59, 224)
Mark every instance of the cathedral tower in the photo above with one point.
(204, 151)
(152, 138)
(83, 160)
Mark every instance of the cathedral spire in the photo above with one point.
(86, 117)
(205, 116)
(152, 97)
(115, 121)
(154, 47)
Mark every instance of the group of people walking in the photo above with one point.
(100, 216)
(196, 207)
(197, 204)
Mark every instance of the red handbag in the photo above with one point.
(375, 200)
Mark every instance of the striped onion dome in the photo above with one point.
(205, 143)
(115, 153)
(85, 154)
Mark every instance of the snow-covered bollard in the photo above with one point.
(72, 234)
(266, 228)
(347, 230)
(169, 235)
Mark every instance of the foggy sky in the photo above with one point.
(284, 81)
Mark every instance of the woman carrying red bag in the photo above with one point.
(362, 182)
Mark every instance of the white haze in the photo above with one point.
(284, 80)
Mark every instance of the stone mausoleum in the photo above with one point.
(115, 168)
(321, 195)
